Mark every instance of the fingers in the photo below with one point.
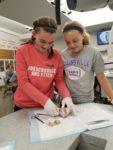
(64, 111)
(54, 111)
(63, 104)
(110, 100)
(51, 108)
(67, 107)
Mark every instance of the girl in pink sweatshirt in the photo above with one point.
(38, 68)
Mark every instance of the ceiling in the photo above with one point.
(99, 27)
(13, 26)
(24, 12)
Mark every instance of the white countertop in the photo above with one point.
(16, 127)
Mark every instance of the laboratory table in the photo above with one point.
(16, 126)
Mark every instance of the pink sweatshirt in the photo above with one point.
(36, 74)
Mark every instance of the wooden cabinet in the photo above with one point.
(4, 62)
(6, 56)
(1, 66)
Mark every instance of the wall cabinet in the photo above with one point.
(4, 62)
(6, 57)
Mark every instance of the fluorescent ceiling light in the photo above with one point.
(89, 18)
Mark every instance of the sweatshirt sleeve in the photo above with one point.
(23, 81)
(59, 80)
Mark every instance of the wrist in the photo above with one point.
(67, 98)
(47, 101)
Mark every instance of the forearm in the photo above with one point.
(33, 93)
(106, 86)
(108, 89)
